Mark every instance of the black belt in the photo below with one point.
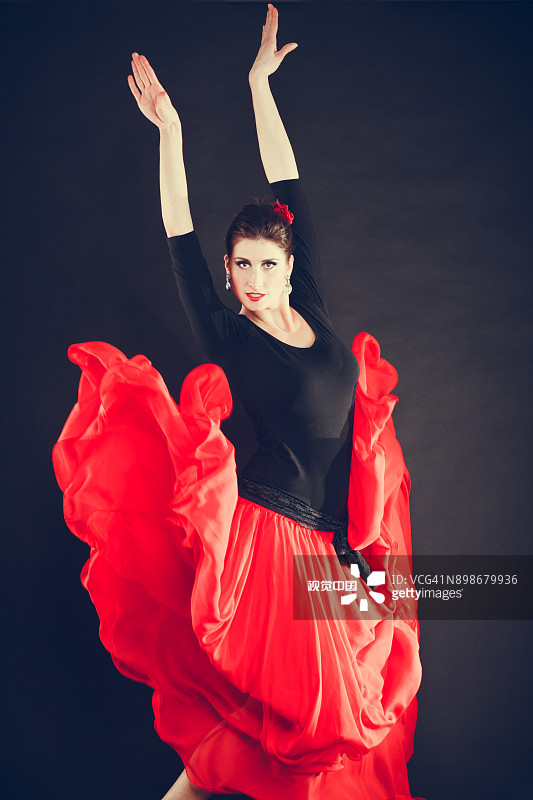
(289, 506)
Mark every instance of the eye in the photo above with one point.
(269, 264)
(243, 264)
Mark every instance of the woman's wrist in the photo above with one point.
(257, 79)
(171, 131)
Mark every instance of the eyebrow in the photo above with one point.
(264, 261)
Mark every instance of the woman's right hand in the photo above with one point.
(151, 98)
(269, 57)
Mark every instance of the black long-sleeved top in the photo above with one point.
(300, 400)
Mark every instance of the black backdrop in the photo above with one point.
(411, 124)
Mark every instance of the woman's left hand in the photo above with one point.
(268, 58)
(151, 98)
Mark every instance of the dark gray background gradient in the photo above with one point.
(411, 124)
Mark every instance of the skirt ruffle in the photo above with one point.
(193, 586)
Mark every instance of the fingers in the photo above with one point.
(273, 18)
(270, 30)
(141, 69)
(270, 27)
(134, 90)
(143, 72)
(136, 73)
(286, 49)
(149, 71)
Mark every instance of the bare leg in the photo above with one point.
(183, 789)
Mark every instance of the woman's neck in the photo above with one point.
(282, 318)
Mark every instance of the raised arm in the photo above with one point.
(155, 104)
(213, 324)
(274, 145)
(281, 170)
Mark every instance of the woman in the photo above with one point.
(191, 570)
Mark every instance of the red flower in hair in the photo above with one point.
(283, 210)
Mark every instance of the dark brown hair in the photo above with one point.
(259, 221)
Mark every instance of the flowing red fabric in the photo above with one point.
(193, 586)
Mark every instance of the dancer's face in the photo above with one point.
(258, 270)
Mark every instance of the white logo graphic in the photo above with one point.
(376, 578)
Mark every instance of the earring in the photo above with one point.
(228, 281)
(288, 287)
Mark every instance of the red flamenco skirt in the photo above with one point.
(193, 586)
